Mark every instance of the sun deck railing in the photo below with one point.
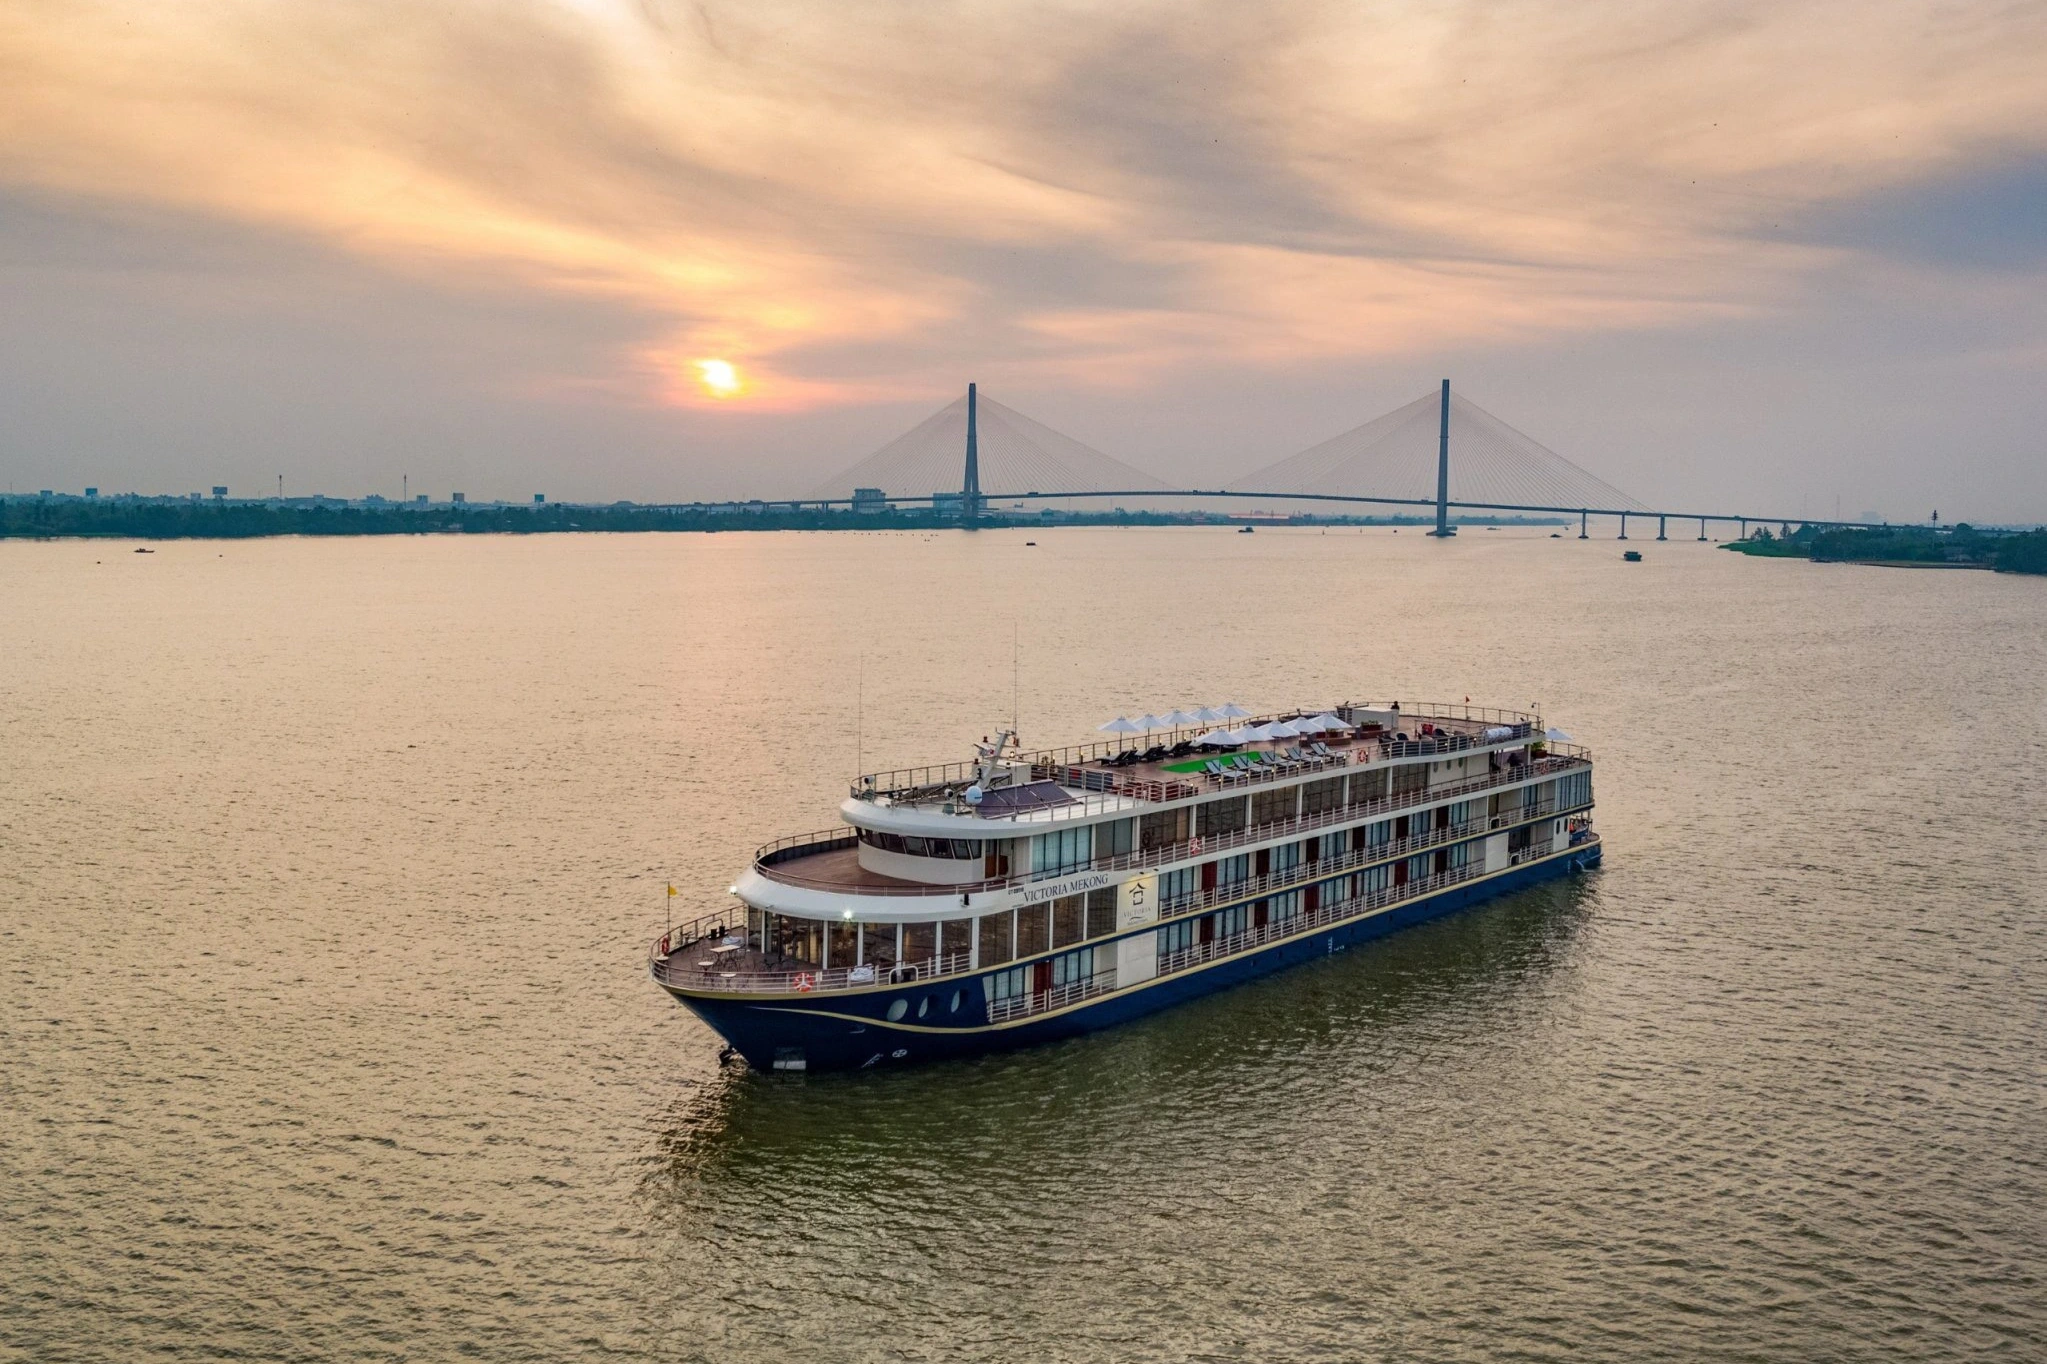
(807, 979)
(767, 860)
(941, 780)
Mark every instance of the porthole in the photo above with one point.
(897, 1010)
(924, 1006)
(956, 998)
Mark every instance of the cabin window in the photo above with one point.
(1176, 937)
(1061, 850)
(1456, 855)
(1011, 984)
(1269, 807)
(1230, 871)
(1375, 879)
(1517, 839)
(956, 937)
(1223, 816)
(1285, 858)
(1282, 909)
(1419, 866)
(1320, 796)
(1069, 919)
(1033, 930)
(998, 938)
(1378, 835)
(920, 942)
(1460, 812)
(1573, 790)
(1162, 828)
(1228, 923)
(1074, 968)
(1176, 888)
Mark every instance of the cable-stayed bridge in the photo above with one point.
(1441, 452)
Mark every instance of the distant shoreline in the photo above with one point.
(1960, 546)
(77, 518)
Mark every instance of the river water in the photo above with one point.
(330, 866)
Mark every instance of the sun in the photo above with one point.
(719, 378)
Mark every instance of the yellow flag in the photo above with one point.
(671, 890)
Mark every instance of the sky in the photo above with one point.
(1780, 257)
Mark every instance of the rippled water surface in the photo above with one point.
(329, 868)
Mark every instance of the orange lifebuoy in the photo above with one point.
(664, 947)
(805, 982)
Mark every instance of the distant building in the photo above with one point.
(419, 499)
(92, 492)
(219, 492)
(458, 498)
(539, 498)
(869, 500)
(948, 502)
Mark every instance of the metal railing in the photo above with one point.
(938, 780)
(808, 979)
(1307, 872)
(1198, 846)
(1058, 997)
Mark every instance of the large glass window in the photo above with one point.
(961, 849)
(1033, 929)
(1114, 836)
(1269, 807)
(1222, 816)
(1007, 985)
(1101, 911)
(956, 937)
(998, 938)
(1320, 796)
(1229, 871)
(920, 942)
(878, 944)
(1366, 786)
(844, 945)
(1283, 909)
(1176, 937)
(1061, 850)
(1069, 919)
(1285, 858)
(1162, 828)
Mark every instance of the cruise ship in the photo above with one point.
(1031, 895)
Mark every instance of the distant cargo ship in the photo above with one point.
(1031, 895)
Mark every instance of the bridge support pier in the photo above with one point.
(1702, 528)
(1624, 525)
(1659, 529)
(1581, 526)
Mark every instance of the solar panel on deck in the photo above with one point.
(1016, 800)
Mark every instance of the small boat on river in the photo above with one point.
(1029, 895)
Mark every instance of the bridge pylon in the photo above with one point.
(970, 489)
(1442, 530)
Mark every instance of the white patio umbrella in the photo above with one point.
(1149, 722)
(1120, 725)
(1246, 735)
(1331, 724)
(1230, 710)
(1217, 738)
(1308, 724)
(1205, 716)
(1280, 729)
(1556, 736)
(1181, 717)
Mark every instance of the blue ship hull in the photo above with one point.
(948, 1017)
